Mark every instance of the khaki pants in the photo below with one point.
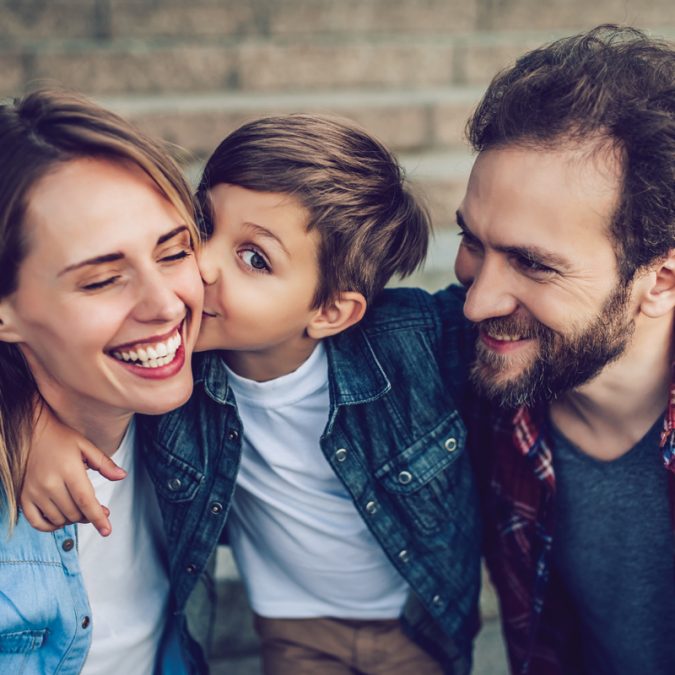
(340, 647)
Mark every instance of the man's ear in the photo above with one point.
(8, 331)
(659, 298)
(337, 315)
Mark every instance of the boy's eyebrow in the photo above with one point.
(262, 231)
(533, 253)
(118, 255)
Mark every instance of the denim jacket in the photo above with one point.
(395, 439)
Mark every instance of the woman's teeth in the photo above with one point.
(152, 356)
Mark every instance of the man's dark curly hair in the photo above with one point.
(612, 84)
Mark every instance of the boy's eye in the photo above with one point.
(254, 260)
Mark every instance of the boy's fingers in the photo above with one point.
(52, 514)
(34, 516)
(99, 461)
(89, 509)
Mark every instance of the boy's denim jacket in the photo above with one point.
(395, 439)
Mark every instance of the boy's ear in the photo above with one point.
(8, 331)
(337, 315)
(659, 298)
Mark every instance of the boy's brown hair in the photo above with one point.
(371, 226)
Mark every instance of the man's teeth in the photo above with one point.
(152, 356)
(506, 338)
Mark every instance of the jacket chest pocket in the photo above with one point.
(427, 481)
(22, 641)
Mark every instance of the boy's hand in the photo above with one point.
(56, 489)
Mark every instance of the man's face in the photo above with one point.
(541, 271)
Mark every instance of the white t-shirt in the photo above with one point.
(301, 546)
(124, 574)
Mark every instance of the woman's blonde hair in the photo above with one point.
(38, 132)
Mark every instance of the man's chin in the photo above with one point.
(508, 390)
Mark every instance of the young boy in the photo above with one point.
(339, 451)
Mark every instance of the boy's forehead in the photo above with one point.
(272, 215)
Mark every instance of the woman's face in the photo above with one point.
(109, 297)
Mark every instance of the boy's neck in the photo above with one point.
(265, 365)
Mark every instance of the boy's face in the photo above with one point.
(261, 272)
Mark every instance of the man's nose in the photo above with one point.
(488, 293)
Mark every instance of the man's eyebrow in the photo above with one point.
(117, 255)
(533, 253)
(464, 227)
(262, 231)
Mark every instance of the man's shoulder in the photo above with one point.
(401, 308)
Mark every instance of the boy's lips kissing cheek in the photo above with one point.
(156, 358)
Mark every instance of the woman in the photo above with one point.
(100, 302)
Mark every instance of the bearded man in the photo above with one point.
(568, 257)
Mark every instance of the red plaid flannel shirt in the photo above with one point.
(513, 462)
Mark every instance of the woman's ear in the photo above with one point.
(659, 298)
(337, 315)
(8, 331)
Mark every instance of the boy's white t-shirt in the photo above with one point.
(301, 546)
(124, 574)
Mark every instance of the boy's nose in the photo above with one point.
(207, 268)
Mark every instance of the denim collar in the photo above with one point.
(354, 373)
(210, 371)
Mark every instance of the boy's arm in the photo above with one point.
(56, 489)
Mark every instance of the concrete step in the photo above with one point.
(572, 15)
(405, 120)
(137, 66)
(42, 19)
(142, 66)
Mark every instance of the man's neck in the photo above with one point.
(607, 416)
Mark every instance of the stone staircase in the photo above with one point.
(410, 71)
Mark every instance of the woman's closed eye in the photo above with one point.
(103, 283)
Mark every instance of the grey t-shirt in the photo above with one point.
(613, 547)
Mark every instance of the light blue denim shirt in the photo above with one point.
(45, 617)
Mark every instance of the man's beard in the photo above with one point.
(563, 362)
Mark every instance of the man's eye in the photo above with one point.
(254, 260)
(468, 242)
(97, 285)
(532, 267)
